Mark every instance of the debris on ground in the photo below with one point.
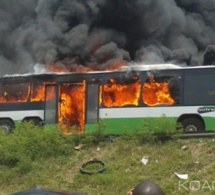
(144, 160)
(181, 176)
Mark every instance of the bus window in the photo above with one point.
(160, 90)
(51, 104)
(38, 92)
(121, 93)
(14, 92)
(92, 103)
(199, 89)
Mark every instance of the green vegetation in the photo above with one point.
(50, 159)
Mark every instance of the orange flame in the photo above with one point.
(73, 68)
(80, 68)
(38, 92)
(116, 65)
(72, 104)
(121, 94)
(54, 68)
(155, 93)
(15, 93)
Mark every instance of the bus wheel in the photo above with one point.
(192, 125)
(35, 121)
(7, 126)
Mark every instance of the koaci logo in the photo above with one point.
(196, 185)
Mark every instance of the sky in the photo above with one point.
(97, 33)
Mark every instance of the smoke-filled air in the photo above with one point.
(101, 34)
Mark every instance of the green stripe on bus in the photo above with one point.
(117, 125)
(209, 123)
(123, 125)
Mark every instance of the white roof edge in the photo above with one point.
(150, 67)
(135, 67)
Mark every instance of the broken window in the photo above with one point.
(160, 90)
(38, 92)
(121, 93)
(15, 92)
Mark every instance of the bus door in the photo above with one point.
(71, 110)
(92, 110)
(50, 104)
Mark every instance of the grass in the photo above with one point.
(32, 156)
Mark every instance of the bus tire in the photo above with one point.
(7, 126)
(35, 121)
(192, 125)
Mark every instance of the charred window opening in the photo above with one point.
(16, 92)
(160, 90)
(72, 104)
(121, 93)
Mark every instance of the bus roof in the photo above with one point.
(150, 67)
(135, 67)
(146, 67)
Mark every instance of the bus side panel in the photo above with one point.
(20, 115)
(18, 111)
(120, 120)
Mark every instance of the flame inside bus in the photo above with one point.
(155, 93)
(18, 92)
(72, 96)
(112, 93)
(72, 104)
(38, 92)
(121, 94)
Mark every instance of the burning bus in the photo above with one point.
(121, 98)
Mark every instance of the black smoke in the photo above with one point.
(95, 33)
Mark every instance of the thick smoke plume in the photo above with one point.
(97, 33)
